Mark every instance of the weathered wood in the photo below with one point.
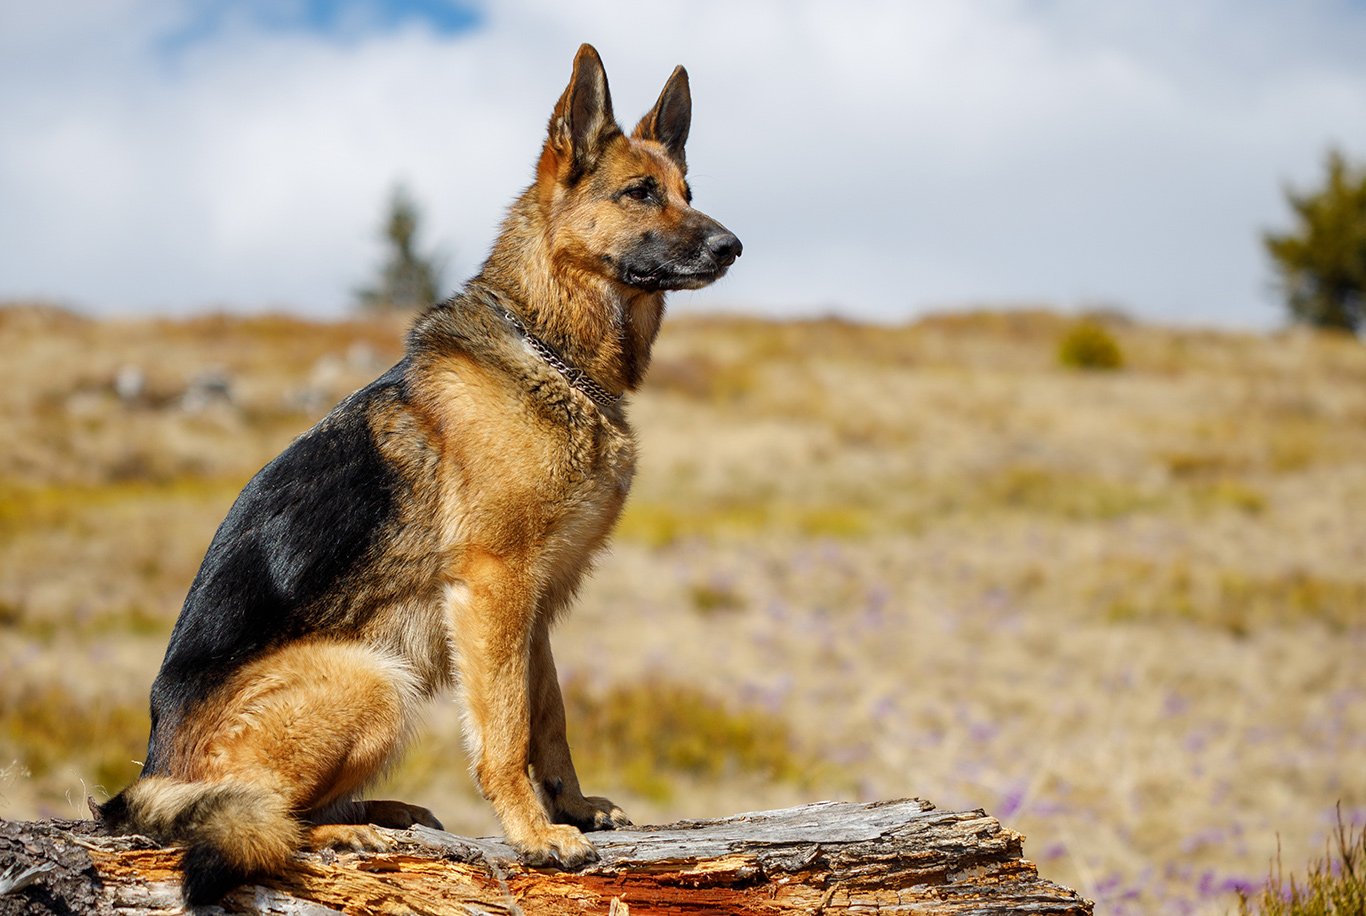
(888, 857)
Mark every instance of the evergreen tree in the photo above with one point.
(407, 280)
(1322, 262)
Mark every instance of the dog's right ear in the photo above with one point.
(582, 123)
(668, 122)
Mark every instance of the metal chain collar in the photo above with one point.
(575, 376)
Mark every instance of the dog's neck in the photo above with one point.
(603, 327)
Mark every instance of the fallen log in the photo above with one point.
(830, 857)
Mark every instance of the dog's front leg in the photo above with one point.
(551, 763)
(494, 622)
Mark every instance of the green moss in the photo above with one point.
(648, 737)
(25, 508)
(1293, 597)
(851, 515)
(834, 521)
(1233, 600)
(1075, 496)
(1196, 464)
(661, 524)
(46, 726)
(1228, 493)
(648, 733)
(41, 506)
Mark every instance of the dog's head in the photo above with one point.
(619, 206)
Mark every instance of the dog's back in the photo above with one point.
(278, 566)
(285, 578)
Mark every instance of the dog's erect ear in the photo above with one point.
(582, 122)
(669, 120)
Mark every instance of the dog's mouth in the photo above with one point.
(667, 279)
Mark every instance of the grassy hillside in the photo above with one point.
(1124, 611)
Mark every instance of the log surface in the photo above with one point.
(830, 857)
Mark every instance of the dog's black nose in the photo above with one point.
(725, 247)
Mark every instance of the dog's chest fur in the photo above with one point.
(510, 464)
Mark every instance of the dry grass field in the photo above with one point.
(1123, 611)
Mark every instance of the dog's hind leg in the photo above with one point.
(551, 763)
(315, 722)
(299, 729)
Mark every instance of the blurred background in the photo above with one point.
(878, 158)
(1019, 464)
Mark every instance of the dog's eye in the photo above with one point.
(639, 192)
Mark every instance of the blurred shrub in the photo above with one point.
(1042, 490)
(1229, 493)
(1087, 345)
(74, 507)
(1322, 261)
(1231, 600)
(407, 280)
(1334, 886)
(44, 726)
(650, 732)
(710, 598)
(660, 525)
(704, 378)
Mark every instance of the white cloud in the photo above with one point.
(874, 156)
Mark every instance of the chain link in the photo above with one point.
(573, 374)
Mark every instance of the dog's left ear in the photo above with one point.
(668, 122)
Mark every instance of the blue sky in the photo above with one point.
(878, 158)
(333, 20)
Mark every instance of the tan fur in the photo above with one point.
(314, 722)
(512, 480)
(251, 823)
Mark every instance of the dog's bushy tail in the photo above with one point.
(232, 831)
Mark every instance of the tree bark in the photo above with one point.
(829, 857)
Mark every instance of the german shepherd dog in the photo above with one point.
(429, 530)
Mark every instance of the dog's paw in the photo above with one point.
(349, 838)
(557, 846)
(590, 813)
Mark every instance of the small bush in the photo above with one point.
(1233, 600)
(1087, 345)
(1335, 885)
(708, 599)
